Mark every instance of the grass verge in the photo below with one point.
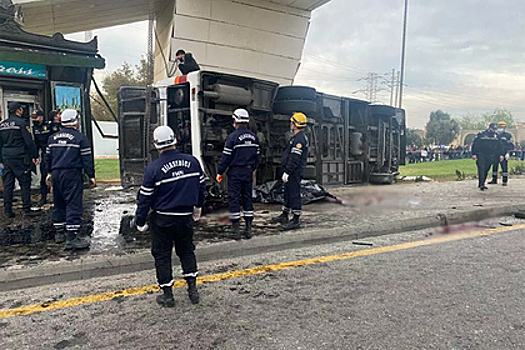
(446, 170)
(107, 169)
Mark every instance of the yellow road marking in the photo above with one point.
(90, 299)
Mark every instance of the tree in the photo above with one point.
(413, 138)
(472, 122)
(499, 114)
(126, 75)
(441, 128)
(480, 122)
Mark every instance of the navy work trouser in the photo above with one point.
(240, 181)
(292, 193)
(166, 231)
(17, 168)
(504, 169)
(484, 162)
(68, 191)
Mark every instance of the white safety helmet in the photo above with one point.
(241, 115)
(163, 136)
(69, 117)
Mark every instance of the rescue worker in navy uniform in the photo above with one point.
(293, 162)
(485, 147)
(505, 139)
(174, 187)
(240, 159)
(17, 151)
(54, 121)
(187, 63)
(68, 152)
(41, 133)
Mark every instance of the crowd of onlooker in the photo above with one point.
(438, 153)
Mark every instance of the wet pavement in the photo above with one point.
(357, 205)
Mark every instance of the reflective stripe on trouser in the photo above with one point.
(178, 231)
(68, 191)
(495, 169)
(240, 188)
(505, 170)
(292, 192)
(16, 168)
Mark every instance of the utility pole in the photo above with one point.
(397, 90)
(403, 49)
(391, 82)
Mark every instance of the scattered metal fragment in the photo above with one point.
(486, 226)
(362, 243)
(520, 215)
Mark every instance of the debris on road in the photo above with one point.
(362, 243)
(273, 192)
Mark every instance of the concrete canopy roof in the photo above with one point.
(68, 16)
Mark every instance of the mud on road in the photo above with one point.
(360, 206)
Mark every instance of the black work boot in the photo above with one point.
(43, 200)
(81, 241)
(295, 223)
(166, 299)
(235, 231)
(60, 235)
(193, 293)
(29, 213)
(493, 182)
(70, 237)
(248, 229)
(281, 219)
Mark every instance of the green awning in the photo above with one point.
(52, 58)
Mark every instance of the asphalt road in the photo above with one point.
(466, 293)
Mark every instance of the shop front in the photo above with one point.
(42, 72)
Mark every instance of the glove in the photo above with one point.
(92, 183)
(143, 228)
(197, 214)
(48, 180)
(285, 177)
(507, 156)
(219, 178)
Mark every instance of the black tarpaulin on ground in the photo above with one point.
(273, 192)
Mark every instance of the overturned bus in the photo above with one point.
(351, 141)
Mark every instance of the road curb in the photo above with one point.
(101, 266)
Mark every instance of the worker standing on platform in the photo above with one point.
(17, 150)
(68, 153)
(293, 162)
(41, 133)
(240, 159)
(174, 187)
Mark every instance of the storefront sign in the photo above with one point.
(23, 69)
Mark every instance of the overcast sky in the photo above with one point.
(463, 56)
